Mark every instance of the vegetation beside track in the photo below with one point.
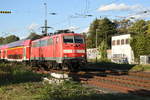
(18, 82)
(17, 73)
(141, 68)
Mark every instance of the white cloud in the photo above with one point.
(118, 7)
(73, 28)
(140, 16)
(32, 26)
(85, 30)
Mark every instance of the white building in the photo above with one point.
(121, 49)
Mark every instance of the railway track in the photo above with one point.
(135, 83)
(139, 85)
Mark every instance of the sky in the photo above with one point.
(28, 15)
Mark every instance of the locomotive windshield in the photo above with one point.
(78, 39)
(68, 39)
(73, 39)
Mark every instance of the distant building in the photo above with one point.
(93, 52)
(121, 49)
(145, 59)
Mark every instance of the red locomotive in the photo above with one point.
(65, 50)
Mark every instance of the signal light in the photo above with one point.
(5, 12)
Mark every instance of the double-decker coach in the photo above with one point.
(16, 51)
(3, 52)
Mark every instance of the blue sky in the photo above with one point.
(28, 15)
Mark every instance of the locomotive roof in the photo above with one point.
(46, 37)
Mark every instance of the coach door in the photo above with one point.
(24, 53)
(0, 54)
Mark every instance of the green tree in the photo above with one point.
(139, 27)
(1, 40)
(11, 38)
(137, 45)
(104, 28)
(103, 50)
(148, 28)
(140, 38)
(92, 34)
(122, 26)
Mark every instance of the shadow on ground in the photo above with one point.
(103, 66)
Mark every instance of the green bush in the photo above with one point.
(64, 91)
(141, 68)
(16, 73)
(146, 67)
(137, 68)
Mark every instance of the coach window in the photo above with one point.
(43, 43)
(68, 39)
(33, 44)
(118, 42)
(122, 41)
(50, 41)
(113, 42)
(78, 39)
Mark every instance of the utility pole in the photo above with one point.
(46, 27)
(96, 44)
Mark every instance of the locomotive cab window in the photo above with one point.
(78, 39)
(68, 39)
(73, 39)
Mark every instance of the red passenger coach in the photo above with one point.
(18, 51)
(3, 52)
(65, 50)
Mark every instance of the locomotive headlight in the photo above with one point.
(68, 51)
(80, 51)
(65, 55)
(82, 56)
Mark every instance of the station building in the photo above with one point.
(121, 49)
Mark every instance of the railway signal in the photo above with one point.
(5, 12)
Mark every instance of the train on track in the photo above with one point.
(63, 50)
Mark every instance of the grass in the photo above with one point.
(65, 91)
(146, 67)
(141, 68)
(75, 91)
(18, 82)
(16, 73)
(22, 91)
